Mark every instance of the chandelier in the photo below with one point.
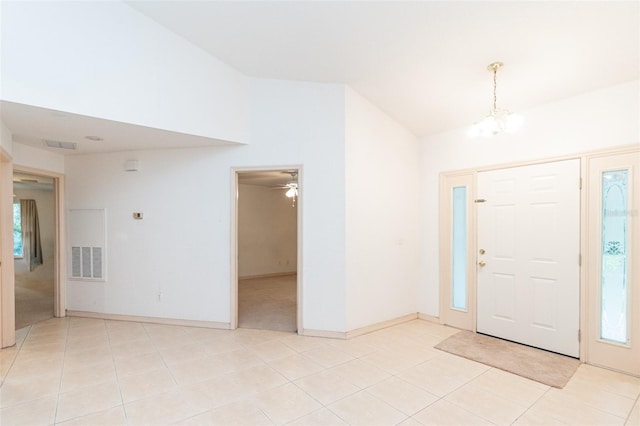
(498, 120)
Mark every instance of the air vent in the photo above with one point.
(86, 262)
(87, 244)
(59, 144)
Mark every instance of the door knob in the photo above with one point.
(481, 263)
(482, 251)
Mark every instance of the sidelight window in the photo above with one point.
(614, 288)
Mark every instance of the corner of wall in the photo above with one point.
(6, 142)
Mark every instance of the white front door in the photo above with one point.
(529, 274)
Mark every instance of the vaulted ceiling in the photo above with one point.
(422, 62)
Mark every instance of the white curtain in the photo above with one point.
(32, 249)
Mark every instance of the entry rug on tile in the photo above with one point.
(536, 364)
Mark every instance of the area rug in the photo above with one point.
(536, 364)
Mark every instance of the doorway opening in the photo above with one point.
(267, 249)
(34, 245)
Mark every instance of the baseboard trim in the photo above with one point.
(324, 333)
(379, 326)
(430, 318)
(151, 320)
(345, 335)
(275, 274)
(342, 335)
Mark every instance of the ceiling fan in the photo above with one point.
(291, 186)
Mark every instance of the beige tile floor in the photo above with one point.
(75, 371)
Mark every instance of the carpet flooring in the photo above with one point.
(34, 298)
(536, 364)
(268, 303)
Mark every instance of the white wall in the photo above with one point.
(30, 157)
(267, 231)
(604, 118)
(45, 204)
(182, 246)
(175, 253)
(382, 215)
(107, 60)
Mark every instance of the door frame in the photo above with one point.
(7, 274)
(445, 236)
(460, 318)
(59, 255)
(610, 354)
(233, 324)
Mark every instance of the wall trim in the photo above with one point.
(622, 149)
(7, 274)
(345, 335)
(150, 320)
(272, 275)
(4, 155)
(324, 333)
(60, 246)
(430, 318)
(379, 326)
(233, 299)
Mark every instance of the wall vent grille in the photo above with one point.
(86, 262)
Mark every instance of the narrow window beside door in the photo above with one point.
(17, 231)
(459, 249)
(613, 315)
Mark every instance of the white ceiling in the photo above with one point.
(269, 178)
(33, 125)
(29, 181)
(423, 62)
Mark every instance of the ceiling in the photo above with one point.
(422, 62)
(33, 126)
(268, 178)
(29, 181)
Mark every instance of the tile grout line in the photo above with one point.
(115, 369)
(532, 404)
(637, 401)
(64, 357)
(18, 349)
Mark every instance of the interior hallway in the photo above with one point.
(77, 371)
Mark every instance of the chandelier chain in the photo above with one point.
(495, 85)
(498, 120)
